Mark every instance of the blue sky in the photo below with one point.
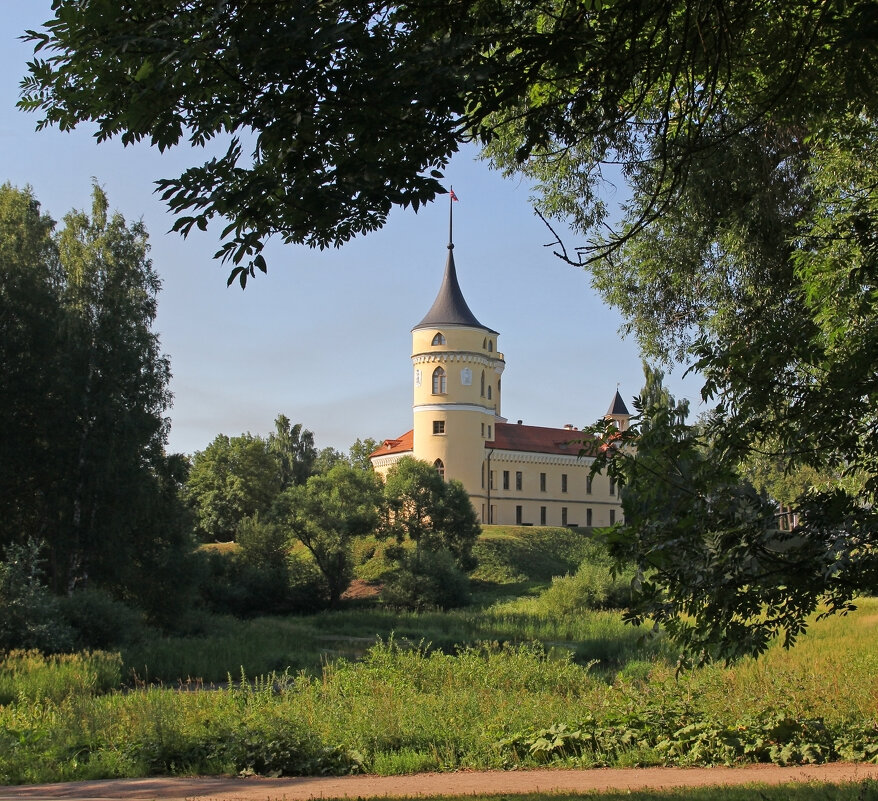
(325, 337)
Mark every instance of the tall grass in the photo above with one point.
(405, 708)
(29, 676)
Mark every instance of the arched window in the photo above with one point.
(490, 345)
(439, 381)
(489, 392)
(440, 468)
(483, 383)
(485, 343)
(439, 339)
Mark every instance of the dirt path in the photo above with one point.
(427, 784)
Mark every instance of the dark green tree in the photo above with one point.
(232, 479)
(293, 447)
(433, 513)
(326, 514)
(84, 468)
(31, 322)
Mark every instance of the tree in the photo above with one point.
(326, 514)
(84, 390)
(293, 447)
(233, 478)
(360, 451)
(435, 514)
(714, 568)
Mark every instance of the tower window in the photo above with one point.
(483, 383)
(563, 482)
(490, 346)
(543, 484)
(439, 339)
(485, 343)
(518, 480)
(489, 392)
(505, 479)
(438, 426)
(612, 486)
(440, 467)
(588, 485)
(439, 381)
(489, 431)
(483, 485)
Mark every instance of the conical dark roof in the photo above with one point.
(450, 308)
(617, 406)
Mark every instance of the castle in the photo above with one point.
(514, 473)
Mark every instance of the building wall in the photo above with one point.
(562, 506)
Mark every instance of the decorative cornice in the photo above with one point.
(452, 407)
(459, 356)
(530, 457)
(385, 461)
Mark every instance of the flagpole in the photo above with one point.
(450, 218)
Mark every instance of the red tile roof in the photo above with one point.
(537, 439)
(402, 444)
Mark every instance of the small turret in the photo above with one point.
(618, 412)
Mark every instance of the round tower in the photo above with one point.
(456, 370)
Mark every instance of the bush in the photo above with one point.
(235, 586)
(426, 579)
(97, 620)
(592, 586)
(29, 616)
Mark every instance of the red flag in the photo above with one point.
(453, 196)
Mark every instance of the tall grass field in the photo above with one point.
(529, 679)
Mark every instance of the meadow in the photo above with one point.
(524, 677)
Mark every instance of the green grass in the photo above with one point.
(403, 709)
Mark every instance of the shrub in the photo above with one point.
(426, 579)
(97, 620)
(28, 611)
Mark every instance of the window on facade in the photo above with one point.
(489, 431)
(491, 479)
(505, 479)
(483, 429)
(542, 482)
(440, 467)
(563, 482)
(588, 517)
(438, 426)
(518, 480)
(484, 343)
(563, 515)
(483, 383)
(588, 484)
(542, 515)
(490, 345)
(439, 339)
(489, 392)
(483, 477)
(612, 516)
(612, 486)
(439, 381)
(518, 515)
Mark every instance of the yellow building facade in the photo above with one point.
(514, 474)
